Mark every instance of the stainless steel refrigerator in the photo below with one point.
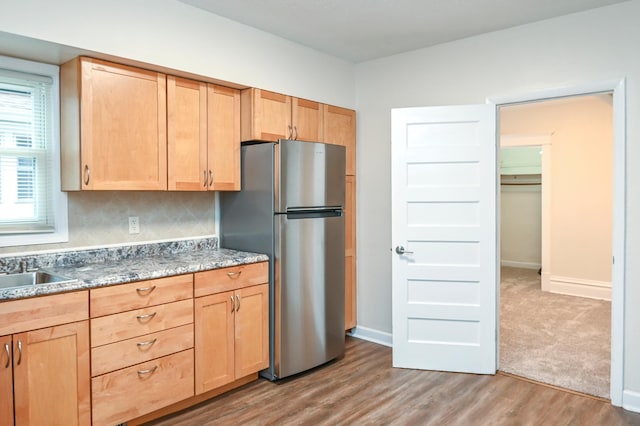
(291, 208)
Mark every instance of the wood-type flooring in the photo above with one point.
(363, 389)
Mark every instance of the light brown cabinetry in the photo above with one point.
(231, 324)
(223, 130)
(340, 129)
(141, 347)
(271, 116)
(45, 361)
(203, 139)
(350, 253)
(113, 127)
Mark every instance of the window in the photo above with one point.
(33, 210)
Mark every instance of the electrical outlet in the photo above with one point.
(134, 225)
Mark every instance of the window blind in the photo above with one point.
(26, 202)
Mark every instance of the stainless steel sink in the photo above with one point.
(30, 278)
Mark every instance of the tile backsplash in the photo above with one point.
(102, 217)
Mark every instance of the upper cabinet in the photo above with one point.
(113, 127)
(187, 135)
(340, 129)
(203, 128)
(271, 116)
(223, 130)
(125, 128)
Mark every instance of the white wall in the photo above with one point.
(594, 46)
(172, 34)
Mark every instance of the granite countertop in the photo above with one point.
(103, 267)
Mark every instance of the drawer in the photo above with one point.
(125, 297)
(21, 315)
(125, 325)
(126, 353)
(132, 392)
(231, 278)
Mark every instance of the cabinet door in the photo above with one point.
(6, 381)
(51, 375)
(350, 253)
(252, 330)
(214, 341)
(186, 135)
(306, 117)
(265, 115)
(224, 138)
(123, 127)
(340, 129)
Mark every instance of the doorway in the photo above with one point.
(614, 277)
(555, 328)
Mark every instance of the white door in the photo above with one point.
(444, 218)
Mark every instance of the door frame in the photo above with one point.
(618, 282)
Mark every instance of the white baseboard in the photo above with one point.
(371, 335)
(631, 401)
(577, 287)
(517, 264)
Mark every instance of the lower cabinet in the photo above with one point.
(142, 388)
(44, 376)
(141, 347)
(231, 324)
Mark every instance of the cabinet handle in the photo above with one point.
(237, 303)
(19, 352)
(233, 305)
(87, 174)
(148, 371)
(145, 290)
(147, 317)
(147, 343)
(296, 130)
(290, 131)
(204, 184)
(234, 275)
(7, 350)
(210, 177)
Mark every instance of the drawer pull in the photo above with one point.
(148, 371)
(237, 303)
(234, 275)
(233, 306)
(146, 317)
(6, 349)
(143, 291)
(147, 343)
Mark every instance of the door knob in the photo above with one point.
(400, 250)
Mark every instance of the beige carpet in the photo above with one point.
(560, 340)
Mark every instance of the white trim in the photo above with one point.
(578, 287)
(509, 140)
(518, 264)
(618, 87)
(631, 401)
(371, 335)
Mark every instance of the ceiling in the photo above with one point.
(360, 30)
